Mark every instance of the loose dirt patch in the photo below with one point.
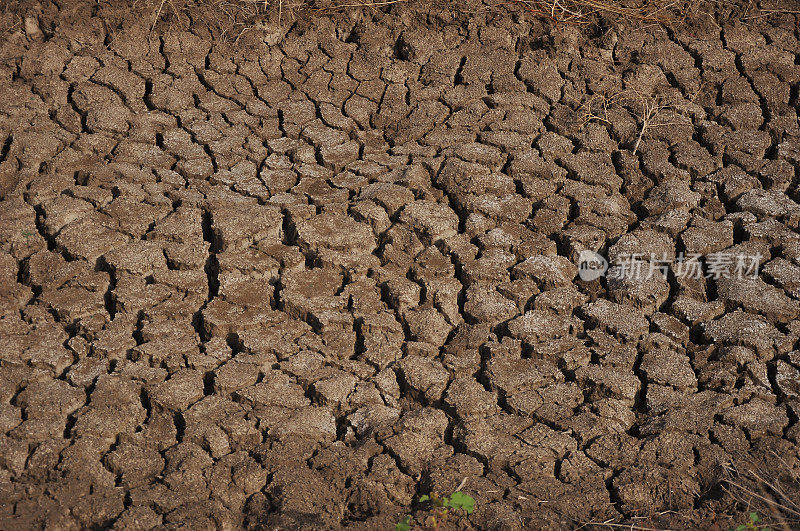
(301, 284)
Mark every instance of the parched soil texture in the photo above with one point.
(302, 279)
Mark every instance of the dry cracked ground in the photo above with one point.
(300, 284)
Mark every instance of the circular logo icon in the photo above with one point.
(591, 265)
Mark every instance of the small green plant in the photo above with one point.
(752, 524)
(440, 508)
(404, 524)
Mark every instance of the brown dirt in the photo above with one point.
(300, 284)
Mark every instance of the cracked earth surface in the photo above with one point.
(302, 284)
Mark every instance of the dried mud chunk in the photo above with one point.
(10, 417)
(495, 440)
(137, 257)
(788, 150)
(403, 294)
(535, 183)
(691, 156)
(593, 168)
(487, 305)
(145, 154)
(50, 270)
(512, 208)
(89, 238)
(375, 216)
(235, 477)
(645, 244)
(424, 378)
(479, 153)
(774, 232)
(770, 204)
(669, 367)
(428, 325)
(62, 211)
(637, 284)
(606, 382)
(169, 350)
(391, 197)
(459, 177)
(547, 271)
(303, 497)
(105, 111)
(785, 275)
(46, 405)
(680, 411)
(372, 417)
(758, 418)
(335, 232)
(382, 336)
(179, 392)
(431, 263)
(185, 225)
(219, 426)
(693, 311)
(336, 157)
(102, 505)
(137, 466)
(539, 72)
(538, 325)
(670, 195)
(739, 328)
(741, 116)
(488, 270)
(733, 182)
(74, 304)
(247, 277)
(135, 217)
(313, 423)
(705, 237)
(517, 376)
(235, 375)
(333, 391)
(502, 239)
(239, 226)
(562, 301)
(670, 327)
(114, 408)
(309, 292)
(276, 389)
(468, 398)
(432, 221)
(45, 349)
(787, 378)
(137, 517)
(519, 291)
(654, 489)
(756, 296)
(672, 222)
(579, 237)
(618, 320)
(419, 437)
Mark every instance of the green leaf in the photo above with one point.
(741, 528)
(424, 498)
(403, 525)
(459, 500)
(754, 517)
